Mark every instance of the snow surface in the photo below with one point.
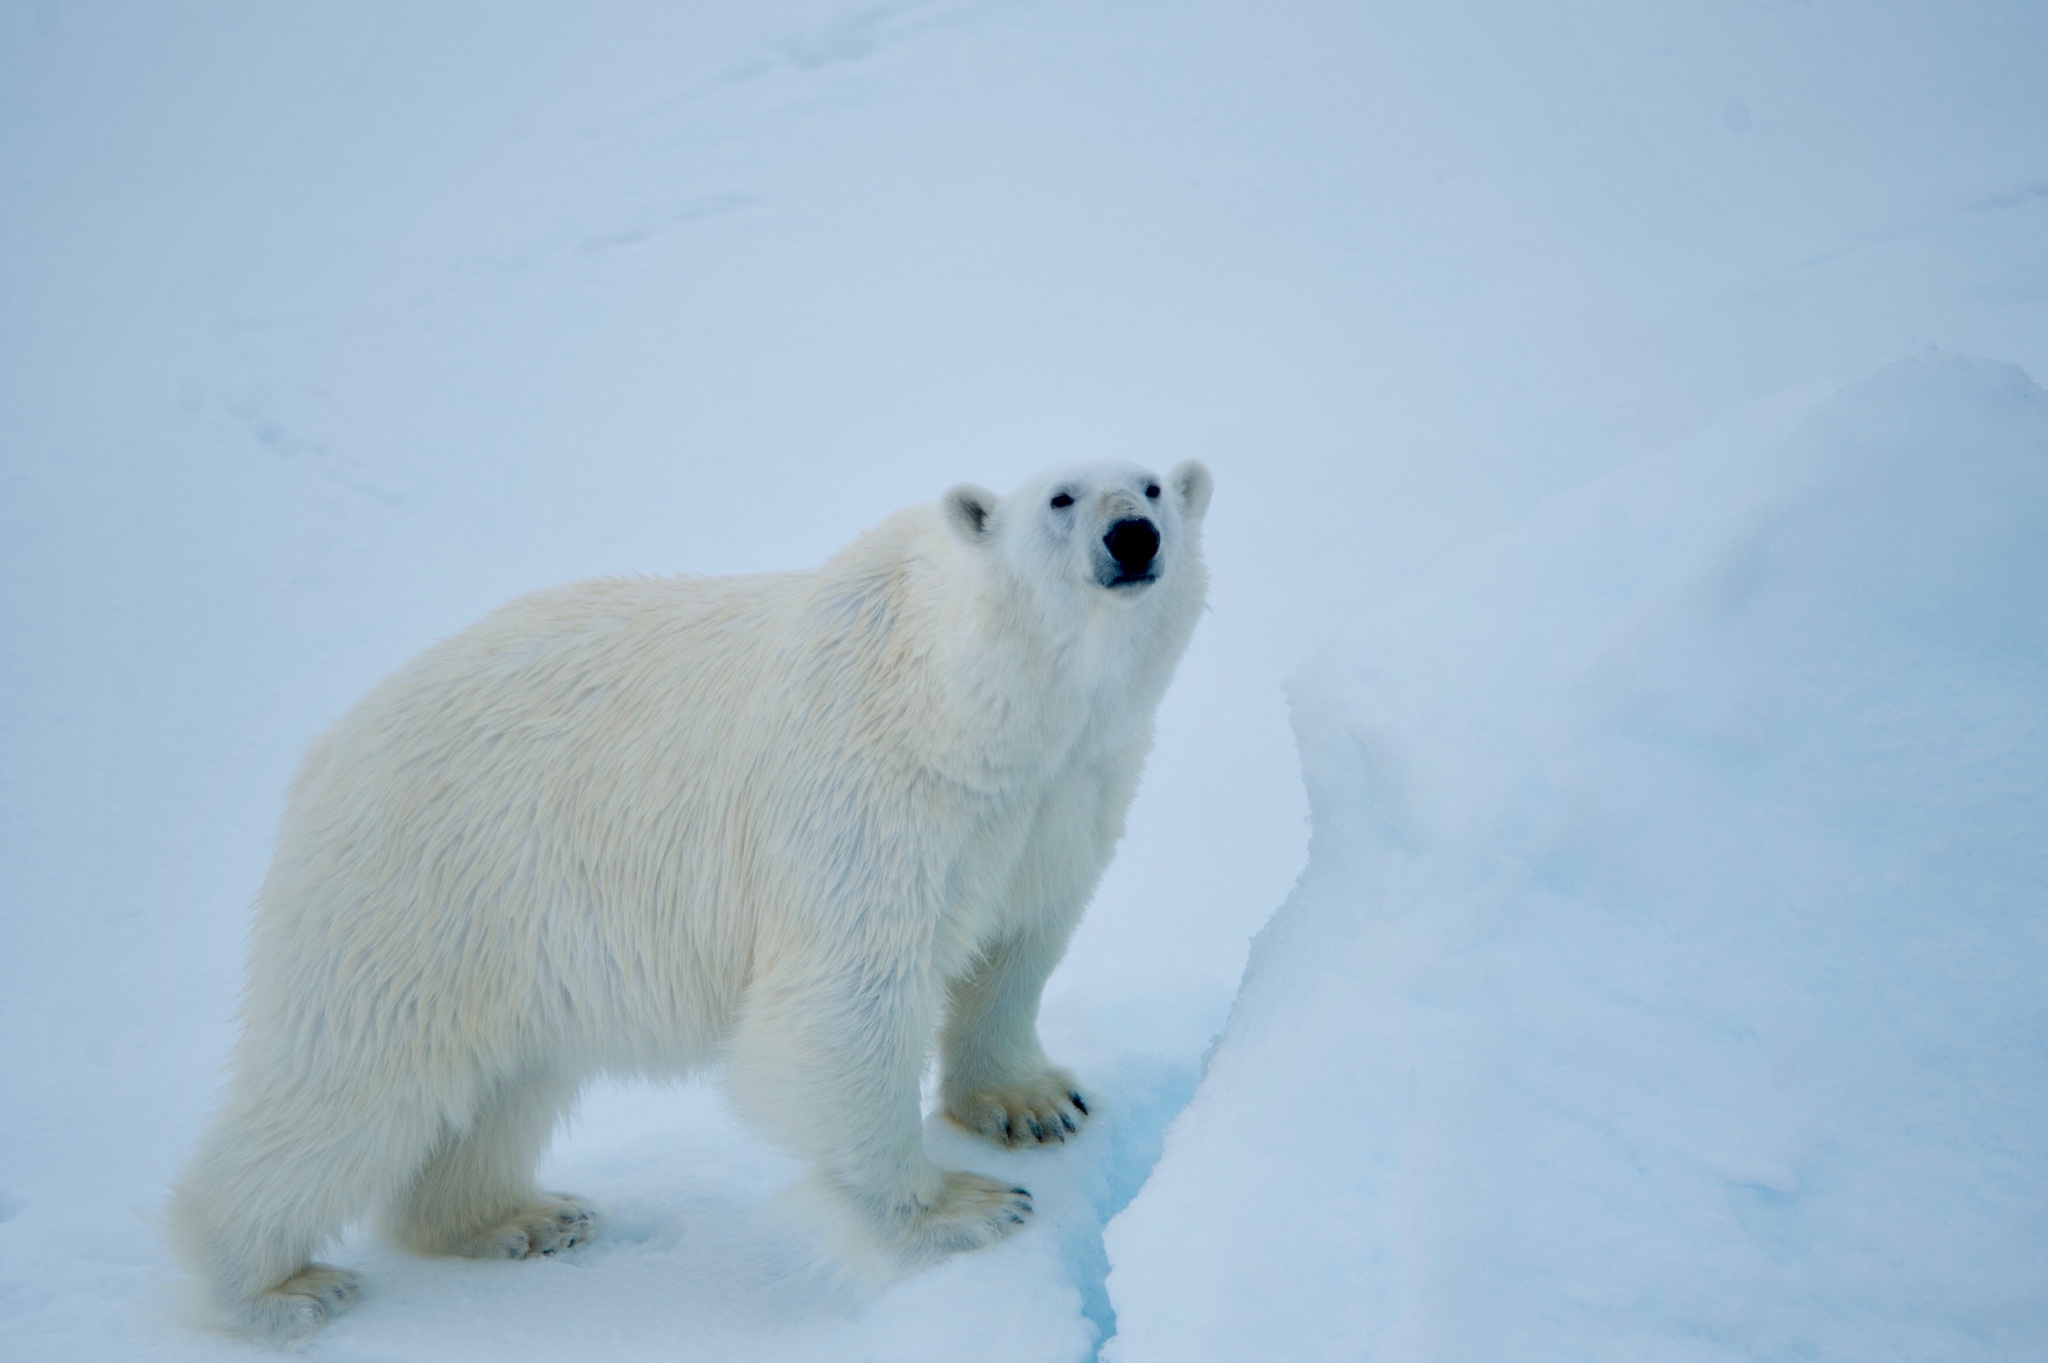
(1667, 978)
(325, 329)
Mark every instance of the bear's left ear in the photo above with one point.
(970, 513)
(1190, 480)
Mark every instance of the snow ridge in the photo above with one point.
(1665, 982)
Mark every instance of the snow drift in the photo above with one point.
(1667, 979)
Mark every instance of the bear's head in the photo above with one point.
(1114, 531)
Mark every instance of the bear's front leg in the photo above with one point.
(827, 1057)
(997, 1081)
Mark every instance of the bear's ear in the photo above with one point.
(1191, 483)
(970, 513)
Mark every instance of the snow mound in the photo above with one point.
(1667, 981)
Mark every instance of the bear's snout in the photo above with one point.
(1132, 542)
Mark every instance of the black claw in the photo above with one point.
(1075, 1099)
(1068, 1122)
(1037, 1131)
(1021, 1192)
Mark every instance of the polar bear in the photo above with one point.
(798, 824)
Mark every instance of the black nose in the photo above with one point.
(1132, 543)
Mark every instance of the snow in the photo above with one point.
(1666, 979)
(323, 331)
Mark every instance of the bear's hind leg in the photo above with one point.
(475, 1196)
(280, 1174)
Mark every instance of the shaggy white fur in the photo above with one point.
(799, 823)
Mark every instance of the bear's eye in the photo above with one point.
(1152, 490)
(1062, 500)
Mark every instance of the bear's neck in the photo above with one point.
(1033, 688)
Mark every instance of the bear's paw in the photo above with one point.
(560, 1223)
(969, 1212)
(301, 1304)
(1043, 1110)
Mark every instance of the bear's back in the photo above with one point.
(616, 738)
(558, 793)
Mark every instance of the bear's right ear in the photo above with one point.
(1190, 478)
(970, 513)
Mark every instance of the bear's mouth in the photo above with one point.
(1131, 580)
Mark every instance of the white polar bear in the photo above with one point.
(797, 823)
